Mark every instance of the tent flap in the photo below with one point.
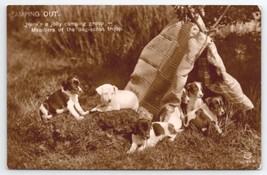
(164, 64)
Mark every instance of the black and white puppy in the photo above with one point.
(216, 105)
(201, 121)
(65, 99)
(207, 115)
(147, 134)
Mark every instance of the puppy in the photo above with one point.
(171, 114)
(200, 121)
(147, 134)
(184, 101)
(207, 114)
(114, 99)
(195, 94)
(216, 105)
(62, 100)
(185, 98)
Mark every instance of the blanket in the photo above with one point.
(165, 62)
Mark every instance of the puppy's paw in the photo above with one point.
(141, 148)
(172, 138)
(45, 118)
(85, 113)
(95, 109)
(80, 118)
(130, 151)
(220, 131)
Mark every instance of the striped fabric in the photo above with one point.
(229, 87)
(165, 62)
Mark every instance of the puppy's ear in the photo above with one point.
(99, 90)
(134, 127)
(115, 89)
(207, 100)
(187, 87)
(221, 99)
(64, 84)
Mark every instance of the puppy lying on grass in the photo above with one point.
(147, 134)
(114, 99)
(65, 99)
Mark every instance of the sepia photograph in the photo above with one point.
(134, 87)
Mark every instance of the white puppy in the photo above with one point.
(114, 99)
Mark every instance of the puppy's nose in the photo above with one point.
(109, 100)
(200, 95)
(80, 90)
(222, 112)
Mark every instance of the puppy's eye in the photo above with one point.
(76, 82)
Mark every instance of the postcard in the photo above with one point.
(135, 87)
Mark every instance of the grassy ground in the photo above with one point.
(100, 141)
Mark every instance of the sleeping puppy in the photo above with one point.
(65, 99)
(207, 114)
(147, 134)
(114, 99)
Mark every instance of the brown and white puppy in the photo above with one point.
(207, 114)
(172, 114)
(216, 105)
(65, 99)
(200, 121)
(114, 99)
(195, 94)
(147, 134)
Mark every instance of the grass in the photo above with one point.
(101, 140)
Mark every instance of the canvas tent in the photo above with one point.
(164, 64)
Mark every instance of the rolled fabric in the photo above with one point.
(229, 87)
